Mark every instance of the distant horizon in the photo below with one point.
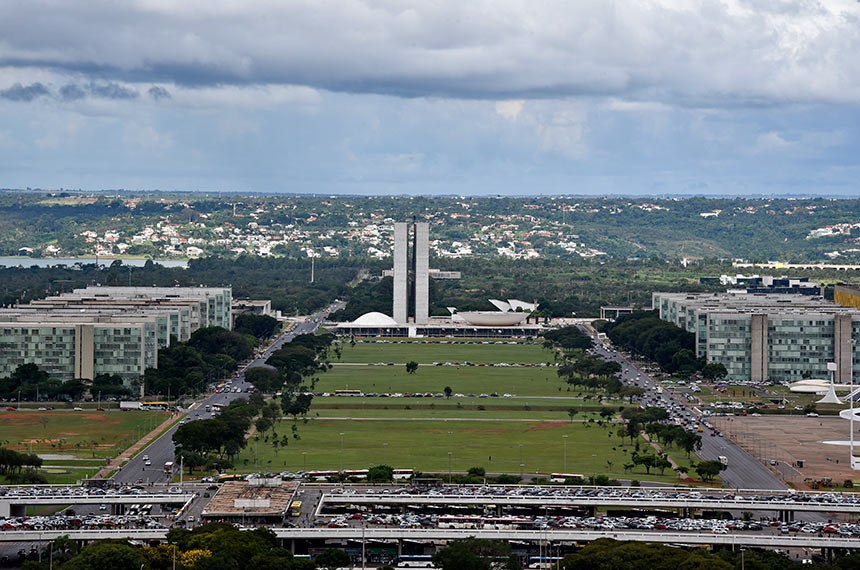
(274, 194)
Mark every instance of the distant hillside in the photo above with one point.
(188, 225)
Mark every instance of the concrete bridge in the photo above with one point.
(395, 534)
(786, 507)
(15, 505)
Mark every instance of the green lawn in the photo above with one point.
(496, 445)
(466, 380)
(86, 434)
(426, 412)
(427, 351)
(496, 433)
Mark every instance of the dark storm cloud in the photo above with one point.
(19, 92)
(718, 52)
(72, 92)
(157, 92)
(112, 91)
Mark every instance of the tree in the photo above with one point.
(708, 470)
(690, 442)
(259, 326)
(477, 472)
(264, 379)
(411, 367)
(714, 371)
(332, 558)
(380, 474)
(571, 413)
(448, 391)
(476, 554)
(107, 556)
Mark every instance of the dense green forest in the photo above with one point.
(562, 287)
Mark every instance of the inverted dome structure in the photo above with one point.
(510, 313)
(492, 318)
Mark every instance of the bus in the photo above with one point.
(321, 475)
(296, 509)
(401, 474)
(415, 561)
(155, 405)
(168, 467)
(356, 473)
(544, 561)
(230, 477)
(348, 393)
(562, 477)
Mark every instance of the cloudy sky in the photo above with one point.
(740, 97)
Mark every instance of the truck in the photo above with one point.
(125, 406)
(168, 467)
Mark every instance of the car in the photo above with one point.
(147, 462)
(811, 415)
(10, 409)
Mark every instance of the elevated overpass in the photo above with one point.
(15, 505)
(786, 507)
(394, 534)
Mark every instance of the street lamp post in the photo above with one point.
(564, 439)
(341, 452)
(851, 417)
(450, 456)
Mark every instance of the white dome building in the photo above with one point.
(374, 319)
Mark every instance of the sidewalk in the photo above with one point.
(120, 459)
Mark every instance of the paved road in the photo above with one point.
(161, 450)
(743, 471)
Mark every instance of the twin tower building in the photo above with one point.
(411, 273)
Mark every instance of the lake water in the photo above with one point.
(106, 261)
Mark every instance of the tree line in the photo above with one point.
(644, 334)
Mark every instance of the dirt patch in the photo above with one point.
(781, 442)
(96, 418)
(21, 418)
(546, 426)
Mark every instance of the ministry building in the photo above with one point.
(767, 337)
(107, 330)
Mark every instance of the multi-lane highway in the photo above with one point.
(162, 450)
(743, 471)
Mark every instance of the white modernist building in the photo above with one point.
(107, 330)
(411, 299)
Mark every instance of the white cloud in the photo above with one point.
(510, 110)
(691, 51)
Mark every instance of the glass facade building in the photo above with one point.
(767, 338)
(107, 330)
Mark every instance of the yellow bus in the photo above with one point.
(296, 509)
